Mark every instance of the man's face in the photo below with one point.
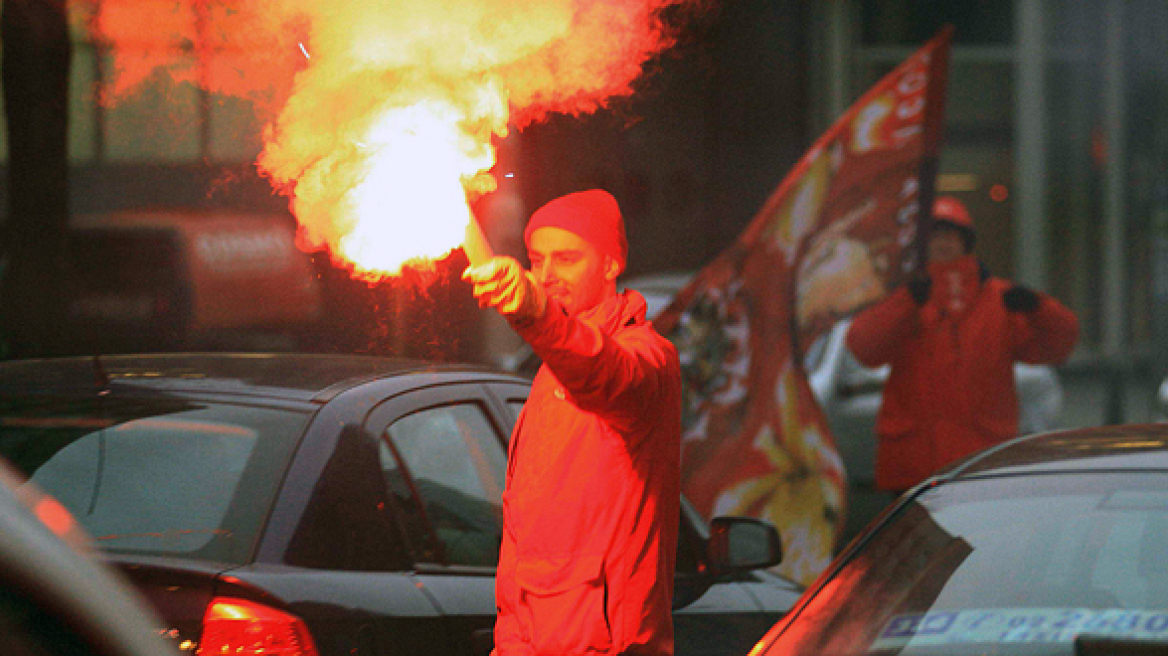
(945, 243)
(571, 270)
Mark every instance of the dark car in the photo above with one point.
(1049, 544)
(323, 504)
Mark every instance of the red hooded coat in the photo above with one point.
(951, 390)
(593, 489)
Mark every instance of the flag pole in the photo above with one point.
(931, 142)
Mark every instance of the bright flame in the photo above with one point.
(387, 109)
(412, 202)
(398, 191)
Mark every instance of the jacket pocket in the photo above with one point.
(563, 604)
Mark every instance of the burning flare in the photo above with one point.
(382, 113)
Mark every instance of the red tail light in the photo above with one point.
(238, 626)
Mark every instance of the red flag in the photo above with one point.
(841, 229)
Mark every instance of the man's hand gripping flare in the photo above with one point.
(503, 284)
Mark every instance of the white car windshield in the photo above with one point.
(1025, 565)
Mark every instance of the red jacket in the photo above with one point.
(591, 506)
(951, 390)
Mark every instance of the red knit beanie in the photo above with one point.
(592, 215)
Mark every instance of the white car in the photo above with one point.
(850, 396)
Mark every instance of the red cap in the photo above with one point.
(951, 210)
(592, 215)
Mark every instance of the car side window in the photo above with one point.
(451, 458)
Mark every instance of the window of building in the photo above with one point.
(909, 22)
(162, 121)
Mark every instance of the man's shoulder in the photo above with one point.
(643, 337)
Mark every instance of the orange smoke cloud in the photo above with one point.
(386, 109)
(245, 49)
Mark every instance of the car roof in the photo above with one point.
(292, 376)
(1102, 448)
(667, 281)
(659, 289)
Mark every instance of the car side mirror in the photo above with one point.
(739, 544)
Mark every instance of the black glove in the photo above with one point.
(919, 286)
(1020, 299)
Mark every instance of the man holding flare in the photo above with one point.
(591, 503)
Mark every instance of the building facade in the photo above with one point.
(1055, 137)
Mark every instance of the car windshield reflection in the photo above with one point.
(155, 476)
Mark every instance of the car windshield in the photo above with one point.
(1025, 565)
(160, 476)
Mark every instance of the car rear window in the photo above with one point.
(159, 476)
